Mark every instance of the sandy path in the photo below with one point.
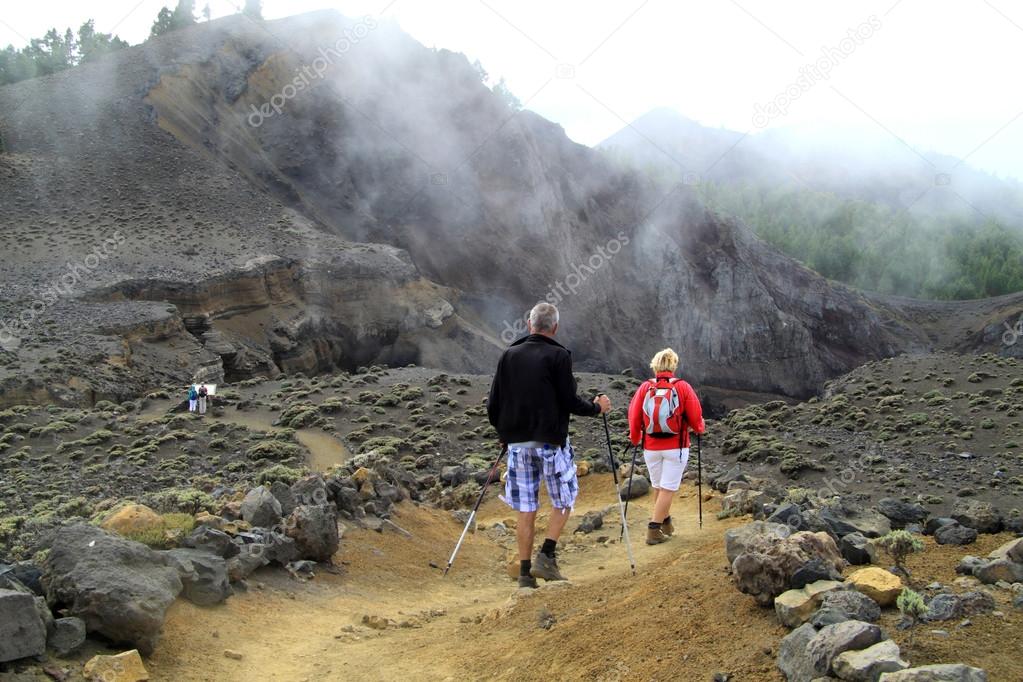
(311, 631)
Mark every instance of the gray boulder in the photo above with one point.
(933, 524)
(120, 588)
(968, 564)
(389, 493)
(857, 550)
(835, 639)
(309, 491)
(26, 573)
(249, 558)
(66, 635)
(203, 575)
(639, 487)
(591, 521)
(260, 508)
(453, 475)
(943, 607)
(812, 571)
(847, 518)
(949, 672)
(314, 530)
(855, 605)
(999, 570)
(866, 665)
(789, 514)
(22, 631)
(901, 513)
(737, 538)
(211, 540)
(793, 660)
(282, 491)
(955, 534)
(980, 516)
(765, 569)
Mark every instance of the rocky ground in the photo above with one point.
(244, 501)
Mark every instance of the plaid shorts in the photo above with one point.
(526, 466)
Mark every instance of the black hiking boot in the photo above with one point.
(528, 581)
(546, 567)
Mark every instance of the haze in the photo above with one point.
(933, 74)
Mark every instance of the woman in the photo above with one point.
(193, 398)
(661, 414)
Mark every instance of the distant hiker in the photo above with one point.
(661, 414)
(203, 394)
(193, 398)
(531, 398)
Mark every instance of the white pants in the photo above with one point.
(666, 467)
(202, 405)
(192, 404)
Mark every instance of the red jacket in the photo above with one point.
(692, 412)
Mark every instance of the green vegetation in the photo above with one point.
(899, 544)
(55, 52)
(876, 248)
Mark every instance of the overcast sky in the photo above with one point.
(941, 74)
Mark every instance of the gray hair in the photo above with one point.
(543, 318)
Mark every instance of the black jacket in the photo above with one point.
(533, 392)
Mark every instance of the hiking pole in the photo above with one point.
(472, 516)
(699, 479)
(628, 493)
(618, 494)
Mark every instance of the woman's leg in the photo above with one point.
(662, 504)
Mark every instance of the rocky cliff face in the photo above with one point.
(242, 165)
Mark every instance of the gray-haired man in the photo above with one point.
(531, 398)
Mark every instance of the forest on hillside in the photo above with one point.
(876, 248)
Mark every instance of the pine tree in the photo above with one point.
(253, 9)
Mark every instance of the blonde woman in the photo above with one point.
(661, 415)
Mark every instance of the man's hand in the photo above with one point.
(604, 402)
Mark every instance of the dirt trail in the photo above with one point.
(466, 624)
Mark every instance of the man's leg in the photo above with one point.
(525, 532)
(559, 517)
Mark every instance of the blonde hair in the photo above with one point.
(665, 361)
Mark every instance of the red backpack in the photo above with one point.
(663, 413)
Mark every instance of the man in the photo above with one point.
(203, 393)
(531, 398)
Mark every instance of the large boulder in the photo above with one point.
(1012, 550)
(936, 522)
(793, 661)
(833, 640)
(633, 487)
(980, 516)
(882, 586)
(736, 538)
(310, 491)
(744, 501)
(249, 558)
(853, 605)
(282, 491)
(955, 533)
(846, 517)
(946, 672)
(203, 575)
(765, 569)
(22, 631)
(999, 570)
(260, 508)
(794, 607)
(66, 635)
(120, 588)
(866, 665)
(901, 513)
(211, 540)
(314, 530)
(857, 550)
